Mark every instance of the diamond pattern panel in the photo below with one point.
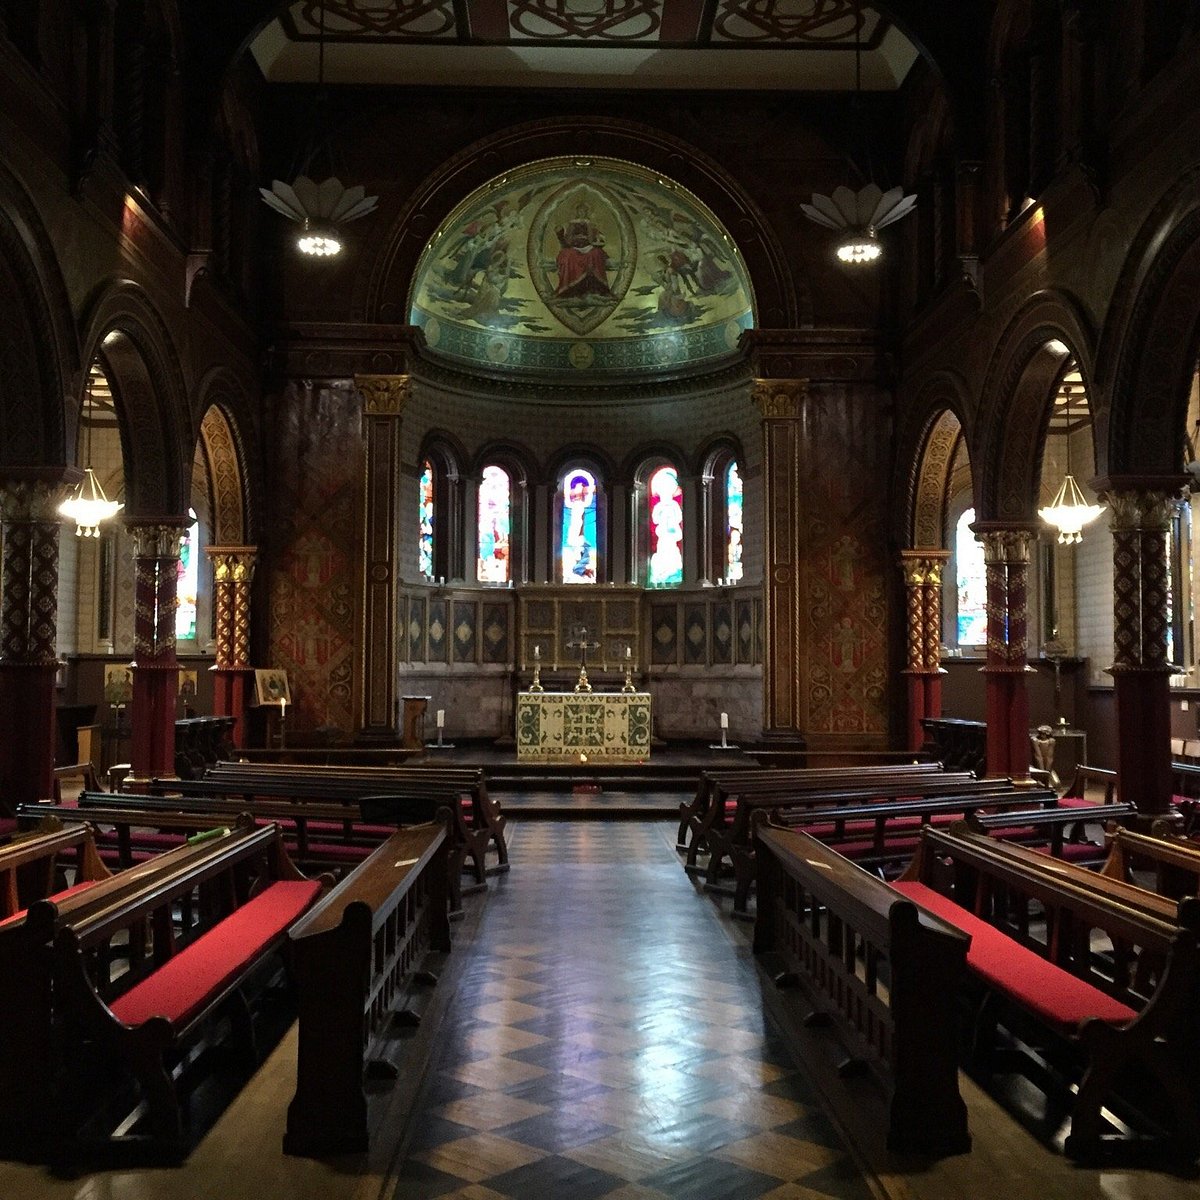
(495, 633)
(695, 635)
(664, 633)
(466, 616)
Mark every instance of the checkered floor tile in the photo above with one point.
(608, 1040)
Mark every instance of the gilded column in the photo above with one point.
(1006, 552)
(384, 397)
(1141, 673)
(233, 572)
(155, 667)
(923, 637)
(28, 637)
(781, 403)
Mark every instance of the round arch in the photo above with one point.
(39, 354)
(1017, 401)
(1149, 345)
(412, 224)
(143, 367)
(230, 446)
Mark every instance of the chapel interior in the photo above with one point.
(780, 385)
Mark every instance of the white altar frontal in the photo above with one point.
(609, 727)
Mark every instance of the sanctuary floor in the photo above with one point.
(602, 1032)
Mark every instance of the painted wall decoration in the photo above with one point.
(577, 554)
(573, 265)
(664, 567)
(495, 525)
(733, 523)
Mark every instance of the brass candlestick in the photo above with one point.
(536, 685)
(628, 685)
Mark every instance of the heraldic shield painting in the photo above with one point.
(583, 266)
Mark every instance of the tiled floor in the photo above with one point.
(608, 1040)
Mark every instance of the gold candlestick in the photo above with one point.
(536, 685)
(628, 686)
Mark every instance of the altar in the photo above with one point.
(608, 727)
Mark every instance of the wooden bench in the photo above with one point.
(1174, 861)
(713, 784)
(485, 811)
(31, 865)
(880, 969)
(1050, 827)
(1128, 1015)
(354, 955)
(249, 896)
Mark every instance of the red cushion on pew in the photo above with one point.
(1055, 995)
(78, 887)
(900, 847)
(339, 851)
(180, 988)
(1075, 802)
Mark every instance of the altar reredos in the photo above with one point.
(584, 266)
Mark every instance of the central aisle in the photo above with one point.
(608, 1040)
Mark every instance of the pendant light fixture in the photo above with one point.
(858, 216)
(1069, 511)
(87, 505)
(320, 209)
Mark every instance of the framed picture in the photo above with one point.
(271, 686)
(118, 685)
(188, 683)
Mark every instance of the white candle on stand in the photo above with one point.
(282, 708)
(724, 720)
(441, 718)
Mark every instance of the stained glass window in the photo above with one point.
(188, 583)
(577, 554)
(733, 523)
(971, 578)
(664, 566)
(425, 538)
(495, 526)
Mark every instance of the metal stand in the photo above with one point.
(439, 744)
(724, 743)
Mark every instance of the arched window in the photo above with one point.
(579, 540)
(494, 562)
(733, 523)
(664, 528)
(187, 587)
(971, 583)
(426, 519)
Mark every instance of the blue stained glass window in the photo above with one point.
(577, 553)
(187, 586)
(972, 584)
(733, 523)
(495, 526)
(665, 564)
(425, 537)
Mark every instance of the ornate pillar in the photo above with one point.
(233, 571)
(781, 402)
(28, 636)
(155, 667)
(923, 608)
(384, 397)
(1006, 550)
(1141, 673)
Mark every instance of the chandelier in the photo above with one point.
(87, 505)
(320, 209)
(1069, 511)
(858, 216)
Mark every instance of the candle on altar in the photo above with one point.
(282, 708)
(628, 651)
(441, 718)
(724, 720)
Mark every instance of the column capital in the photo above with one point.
(779, 399)
(35, 497)
(923, 566)
(383, 395)
(232, 564)
(157, 538)
(1140, 510)
(1005, 543)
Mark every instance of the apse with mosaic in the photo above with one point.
(584, 266)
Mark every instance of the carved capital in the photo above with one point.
(158, 540)
(1007, 546)
(29, 500)
(923, 566)
(383, 395)
(779, 398)
(1145, 511)
(232, 564)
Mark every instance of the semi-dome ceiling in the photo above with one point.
(585, 266)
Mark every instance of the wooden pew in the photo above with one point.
(839, 932)
(31, 864)
(1051, 825)
(249, 896)
(485, 811)
(1126, 1018)
(354, 956)
(691, 812)
(1174, 861)
(1095, 777)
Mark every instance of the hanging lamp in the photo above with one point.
(320, 209)
(1069, 511)
(87, 505)
(858, 216)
